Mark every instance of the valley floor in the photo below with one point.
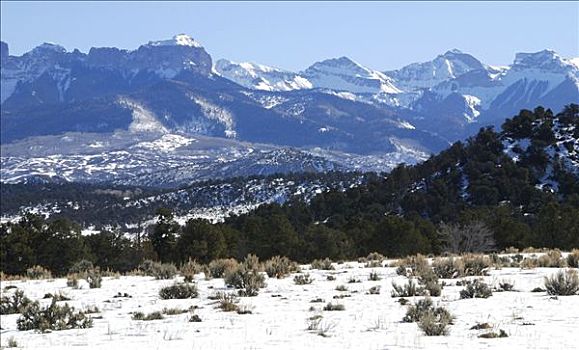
(280, 312)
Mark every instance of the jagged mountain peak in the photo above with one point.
(343, 73)
(177, 40)
(544, 59)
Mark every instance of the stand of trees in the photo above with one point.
(473, 188)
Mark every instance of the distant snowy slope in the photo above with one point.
(260, 77)
(343, 74)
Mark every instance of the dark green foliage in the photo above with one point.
(398, 214)
(179, 291)
(52, 317)
(15, 304)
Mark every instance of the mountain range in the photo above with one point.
(166, 115)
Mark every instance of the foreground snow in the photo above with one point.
(532, 320)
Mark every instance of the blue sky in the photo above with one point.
(293, 35)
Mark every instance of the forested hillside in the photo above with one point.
(517, 187)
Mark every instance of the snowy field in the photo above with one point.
(279, 313)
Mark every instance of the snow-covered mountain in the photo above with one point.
(260, 77)
(449, 65)
(489, 95)
(343, 74)
(345, 114)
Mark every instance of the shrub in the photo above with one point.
(490, 335)
(406, 290)
(417, 311)
(475, 264)
(38, 272)
(553, 258)
(72, 280)
(506, 286)
(15, 304)
(562, 283)
(573, 258)
(12, 343)
(303, 279)
(228, 302)
(53, 317)
(538, 290)
(412, 265)
(190, 269)
(475, 289)
(374, 276)
(354, 279)
(244, 310)
(330, 277)
(313, 322)
(195, 318)
(334, 307)
(280, 266)
(324, 264)
(218, 267)
(246, 277)
(81, 266)
(375, 256)
(374, 290)
(139, 316)
(434, 324)
(529, 263)
(158, 270)
(173, 311)
(341, 288)
(179, 291)
(448, 267)
(94, 278)
(58, 297)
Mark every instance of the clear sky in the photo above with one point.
(293, 35)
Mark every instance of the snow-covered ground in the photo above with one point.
(531, 320)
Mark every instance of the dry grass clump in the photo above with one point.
(475, 264)
(190, 269)
(38, 272)
(280, 266)
(573, 258)
(161, 271)
(227, 302)
(411, 265)
(448, 267)
(552, 258)
(94, 278)
(218, 267)
(322, 264)
(562, 283)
